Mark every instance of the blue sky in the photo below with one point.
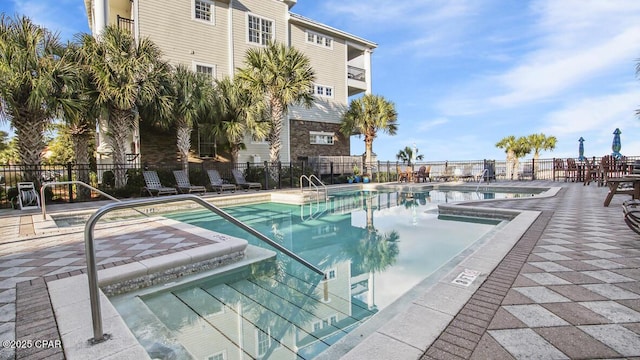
(463, 74)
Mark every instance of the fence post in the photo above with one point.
(266, 175)
(69, 176)
(291, 174)
(331, 172)
(279, 174)
(533, 169)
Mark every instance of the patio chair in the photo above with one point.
(402, 175)
(243, 183)
(28, 197)
(423, 174)
(217, 183)
(590, 171)
(558, 166)
(153, 185)
(184, 185)
(606, 169)
(571, 172)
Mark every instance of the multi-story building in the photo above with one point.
(212, 37)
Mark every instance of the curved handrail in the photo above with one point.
(44, 207)
(485, 171)
(310, 179)
(92, 271)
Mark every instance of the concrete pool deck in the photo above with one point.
(569, 288)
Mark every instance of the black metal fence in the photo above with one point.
(270, 175)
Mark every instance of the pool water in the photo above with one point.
(374, 246)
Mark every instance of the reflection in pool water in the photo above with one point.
(374, 246)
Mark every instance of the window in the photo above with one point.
(206, 142)
(207, 70)
(264, 341)
(331, 274)
(323, 91)
(321, 138)
(218, 356)
(203, 10)
(260, 29)
(320, 40)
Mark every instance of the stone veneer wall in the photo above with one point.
(301, 146)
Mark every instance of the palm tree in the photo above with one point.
(192, 93)
(368, 115)
(537, 143)
(282, 76)
(35, 75)
(127, 75)
(238, 112)
(515, 149)
(81, 125)
(406, 155)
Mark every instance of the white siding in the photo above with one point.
(183, 40)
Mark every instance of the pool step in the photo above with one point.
(252, 315)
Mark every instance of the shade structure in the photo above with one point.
(616, 145)
(581, 149)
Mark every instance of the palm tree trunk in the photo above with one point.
(117, 136)
(368, 149)
(184, 144)
(30, 144)
(275, 143)
(510, 166)
(81, 150)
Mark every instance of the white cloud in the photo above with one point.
(551, 71)
(427, 125)
(594, 114)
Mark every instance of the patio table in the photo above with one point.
(614, 184)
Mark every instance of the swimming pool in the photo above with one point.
(373, 245)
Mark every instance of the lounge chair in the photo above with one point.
(217, 183)
(243, 183)
(183, 184)
(153, 185)
(467, 173)
(527, 172)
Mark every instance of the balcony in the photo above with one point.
(356, 80)
(126, 24)
(356, 73)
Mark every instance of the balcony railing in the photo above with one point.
(356, 73)
(127, 24)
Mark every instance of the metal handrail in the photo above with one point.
(44, 210)
(485, 171)
(92, 272)
(310, 180)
